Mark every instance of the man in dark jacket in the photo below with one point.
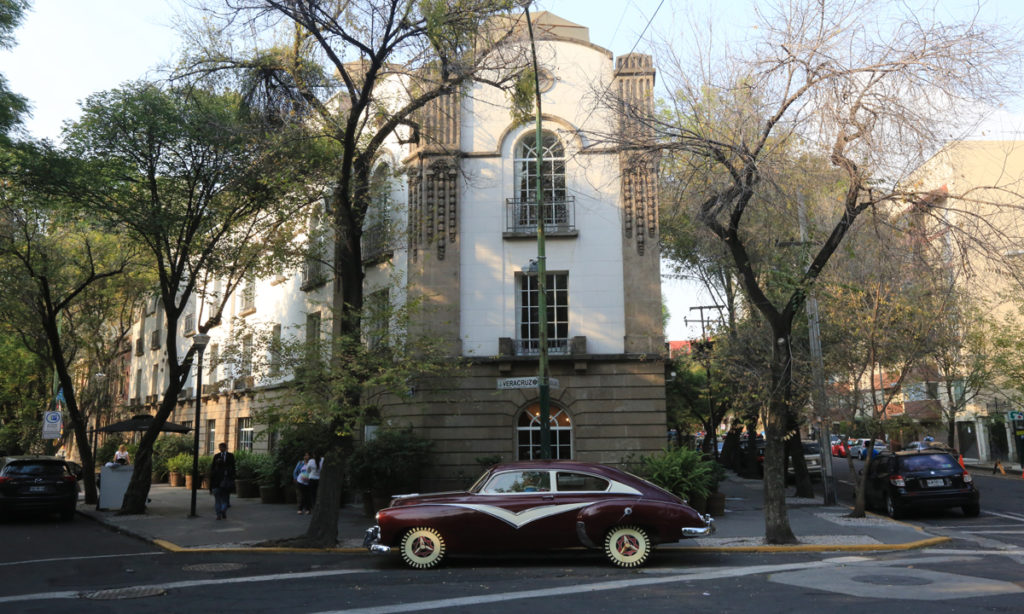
(222, 480)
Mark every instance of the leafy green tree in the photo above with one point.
(12, 106)
(192, 176)
(52, 258)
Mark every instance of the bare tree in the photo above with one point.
(868, 88)
(356, 75)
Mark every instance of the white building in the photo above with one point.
(465, 222)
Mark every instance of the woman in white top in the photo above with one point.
(313, 467)
(121, 457)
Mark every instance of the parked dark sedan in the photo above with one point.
(42, 484)
(900, 482)
(538, 505)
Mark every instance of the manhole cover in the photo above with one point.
(125, 593)
(205, 567)
(893, 580)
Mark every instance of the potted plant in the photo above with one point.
(178, 467)
(267, 476)
(391, 463)
(204, 471)
(246, 483)
(684, 473)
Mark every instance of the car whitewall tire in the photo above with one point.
(627, 546)
(422, 548)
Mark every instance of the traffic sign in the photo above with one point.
(513, 383)
(1017, 415)
(51, 424)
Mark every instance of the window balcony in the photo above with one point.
(559, 217)
(531, 347)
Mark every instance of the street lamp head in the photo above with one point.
(200, 341)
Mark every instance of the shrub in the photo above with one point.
(391, 463)
(166, 447)
(266, 470)
(684, 473)
(180, 463)
(245, 465)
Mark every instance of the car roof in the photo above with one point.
(31, 457)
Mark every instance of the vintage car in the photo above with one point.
(538, 505)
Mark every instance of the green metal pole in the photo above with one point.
(543, 370)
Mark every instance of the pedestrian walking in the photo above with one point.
(222, 480)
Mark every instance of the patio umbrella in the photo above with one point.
(142, 422)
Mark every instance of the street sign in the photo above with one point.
(514, 383)
(51, 425)
(1017, 415)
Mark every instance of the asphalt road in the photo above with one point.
(48, 566)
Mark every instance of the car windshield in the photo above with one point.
(48, 470)
(811, 447)
(921, 462)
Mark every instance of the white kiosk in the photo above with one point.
(113, 483)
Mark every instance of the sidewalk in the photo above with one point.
(741, 528)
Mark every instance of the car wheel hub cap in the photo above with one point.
(422, 547)
(628, 545)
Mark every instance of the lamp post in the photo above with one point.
(199, 343)
(543, 368)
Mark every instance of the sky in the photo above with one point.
(68, 49)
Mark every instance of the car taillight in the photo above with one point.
(898, 481)
(4, 479)
(967, 478)
(70, 478)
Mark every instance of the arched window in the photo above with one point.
(552, 178)
(528, 433)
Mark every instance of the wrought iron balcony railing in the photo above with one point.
(531, 347)
(558, 216)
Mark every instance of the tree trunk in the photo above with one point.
(776, 517)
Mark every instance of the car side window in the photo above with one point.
(518, 482)
(567, 481)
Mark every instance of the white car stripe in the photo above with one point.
(523, 518)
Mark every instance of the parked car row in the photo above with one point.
(857, 447)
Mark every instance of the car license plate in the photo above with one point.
(935, 483)
(37, 489)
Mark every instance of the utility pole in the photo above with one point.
(705, 359)
(543, 369)
(818, 375)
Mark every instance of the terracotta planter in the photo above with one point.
(176, 479)
(188, 481)
(271, 494)
(247, 489)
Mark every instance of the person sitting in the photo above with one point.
(121, 457)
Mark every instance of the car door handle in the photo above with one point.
(549, 497)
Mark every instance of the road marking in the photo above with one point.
(192, 584)
(562, 591)
(996, 532)
(79, 558)
(1001, 515)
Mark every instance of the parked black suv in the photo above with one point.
(899, 482)
(44, 484)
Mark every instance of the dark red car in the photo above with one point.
(538, 505)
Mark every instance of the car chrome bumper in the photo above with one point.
(370, 539)
(707, 529)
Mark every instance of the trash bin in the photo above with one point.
(113, 483)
